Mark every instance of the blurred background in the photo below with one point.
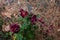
(49, 10)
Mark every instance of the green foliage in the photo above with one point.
(5, 36)
(27, 29)
(1, 23)
(18, 36)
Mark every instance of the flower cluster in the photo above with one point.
(15, 27)
(24, 13)
(28, 26)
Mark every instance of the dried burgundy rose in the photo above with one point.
(23, 13)
(33, 19)
(14, 28)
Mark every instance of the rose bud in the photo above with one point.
(33, 19)
(23, 13)
(14, 28)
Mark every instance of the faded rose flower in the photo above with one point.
(23, 13)
(33, 19)
(14, 28)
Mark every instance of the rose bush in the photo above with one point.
(24, 27)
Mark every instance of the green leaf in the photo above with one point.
(23, 26)
(35, 27)
(19, 36)
(5, 36)
(20, 18)
(28, 33)
(1, 22)
(10, 33)
(24, 38)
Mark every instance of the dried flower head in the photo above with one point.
(23, 13)
(14, 28)
(33, 19)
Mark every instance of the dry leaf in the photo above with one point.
(6, 14)
(5, 28)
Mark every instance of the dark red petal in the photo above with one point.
(24, 13)
(14, 28)
(33, 19)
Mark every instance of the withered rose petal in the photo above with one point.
(23, 13)
(33, 19)
(14, 28)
